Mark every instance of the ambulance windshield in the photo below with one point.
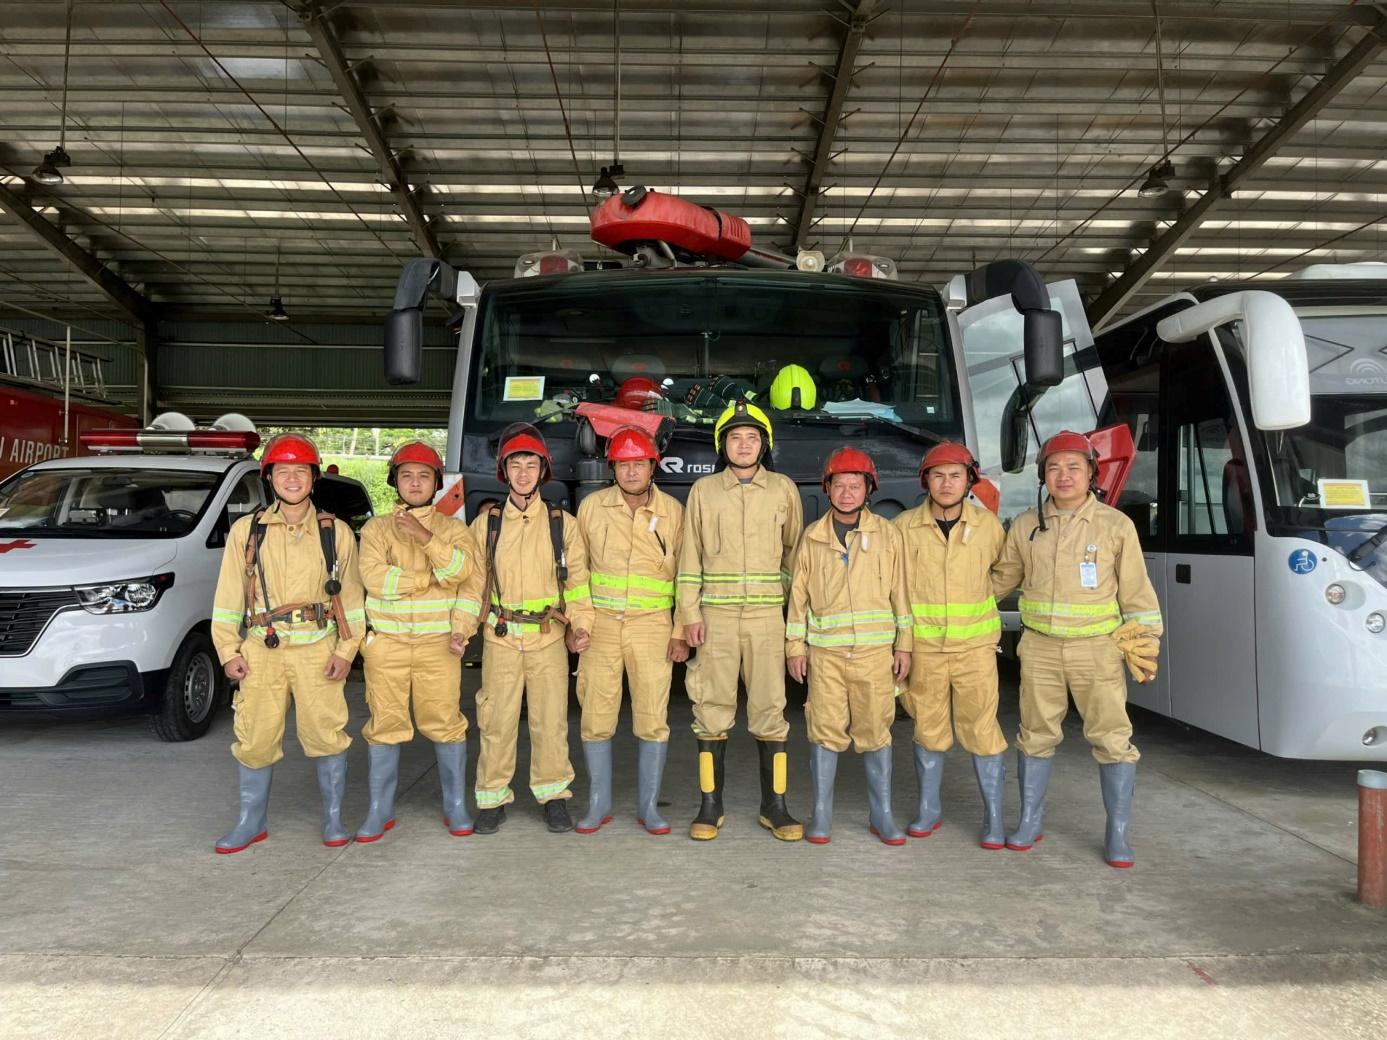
(104, 502)
(863, 348)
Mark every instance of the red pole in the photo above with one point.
(1372, 837)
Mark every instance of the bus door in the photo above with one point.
(1209, 612)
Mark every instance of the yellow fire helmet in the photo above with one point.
(742, 413)
(793, 388)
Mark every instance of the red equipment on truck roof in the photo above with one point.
(639, 216)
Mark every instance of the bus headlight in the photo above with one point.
(1375, 622)
(1335, 593)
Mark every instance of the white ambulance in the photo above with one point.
(108, 565)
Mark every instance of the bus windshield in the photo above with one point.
(867, 348)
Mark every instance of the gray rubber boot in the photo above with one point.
(381, 780)
(883, 824)
(991, 771)
(823, 770)
(1119, 780)
(332, 785)
(652, 770)
(598, 755)
(1033, 777)
(452, 770)
(253, 824)
(929, 770)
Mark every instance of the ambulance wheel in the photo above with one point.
(196, 685)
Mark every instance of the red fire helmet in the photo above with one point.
(638, 393)
(522, 439)
(851, 460)
(1066, 440)
(630, 443)
(290, 447)
(415, 451)
(950, 453)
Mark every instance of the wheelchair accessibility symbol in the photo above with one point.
(1302, 561)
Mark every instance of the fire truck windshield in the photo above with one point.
(863, 348)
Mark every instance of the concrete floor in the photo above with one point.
(118, 921)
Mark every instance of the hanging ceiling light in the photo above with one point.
(608, 180)
(276, 311)
(50, 172)
(1157, 180)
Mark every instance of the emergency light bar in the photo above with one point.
(549, 261)
(864, 265)
(173, 442)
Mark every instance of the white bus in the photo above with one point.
(1267, 546)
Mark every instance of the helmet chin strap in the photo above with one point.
(525, 498)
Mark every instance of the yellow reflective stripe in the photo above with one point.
(407, 606)
(529, 606)
(230, 617)
(1044, 628)
(355, 615)
(488, 799)
(578, 593)
(755, 577)
(685, 578)
(633, 581)
(735, 599)
(468, 606)
(852, 639)
(857, 618)
(1058, 609)
(1144, 617)
(958, 631)
(392, 583)
(547, 790)
(794, 630)
(453, 566)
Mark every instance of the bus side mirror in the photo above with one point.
(1278, 372)
(1016, 426)
(404, 329)
(1043, 343)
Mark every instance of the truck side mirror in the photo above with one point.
(1016, 427)
(404, 329)
(1043, 343)
(1278, 371)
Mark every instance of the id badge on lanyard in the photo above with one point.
(1088, 569)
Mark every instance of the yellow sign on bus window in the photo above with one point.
(523, 388)
(1344, 494)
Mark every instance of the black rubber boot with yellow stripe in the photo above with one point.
(709, 819)
(774, 816)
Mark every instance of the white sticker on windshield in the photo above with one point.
(523, 388)
(1344, 494)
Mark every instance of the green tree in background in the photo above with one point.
(363, 453)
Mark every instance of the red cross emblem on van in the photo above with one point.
(22, 543)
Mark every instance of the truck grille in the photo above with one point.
(24, 615)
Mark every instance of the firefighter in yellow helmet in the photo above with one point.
(532, 583)
(793, 388)
(286, 620)
(1086, 604)
(848, 629)
(741, 526)
(632, 531)
(412, 563)
(951, 546)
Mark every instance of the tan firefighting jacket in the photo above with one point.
(951, 581)
(632, 559)
(526, 578)
(853, 597)
(739, 543)
(410, 588)
(1049, 568)
(296, 573)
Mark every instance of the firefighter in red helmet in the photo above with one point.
(952, 545)
(413, 563)
(848, 629)
(1086, 605)
(632, 531)
(531, 586)
(286, 621)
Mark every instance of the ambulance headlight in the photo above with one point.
(1375, 622)
(1335, 593)
(124, 597)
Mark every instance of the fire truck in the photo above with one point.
(51, 396)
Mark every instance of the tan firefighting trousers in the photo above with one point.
(399, 670)
(952, 693)
(745, 642)
(541, 678)
(639, 645)
(851, 694)
(1092, 670)
(262, 703)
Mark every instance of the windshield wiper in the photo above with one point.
(1368, 546)
(910, 431)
